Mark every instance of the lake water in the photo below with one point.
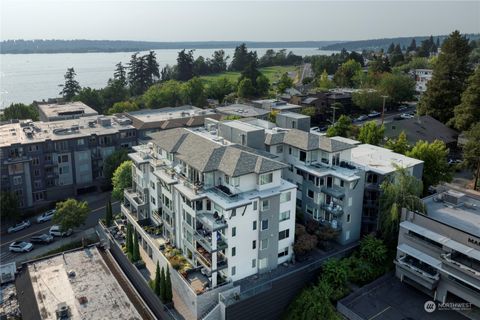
(28, 77)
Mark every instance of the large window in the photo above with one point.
(283, 253)
(265, 205)
(264, 244)
(285, 197)
(285, 215)
(284, 234)
(266, 178)
(265, 224)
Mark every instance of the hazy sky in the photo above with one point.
(233, 20)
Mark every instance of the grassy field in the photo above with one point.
(272, 73)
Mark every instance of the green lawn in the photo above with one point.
(272, 73)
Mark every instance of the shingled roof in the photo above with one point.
(206, 155)
(306, 141)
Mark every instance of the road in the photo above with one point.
(97, 205)
(306, 72)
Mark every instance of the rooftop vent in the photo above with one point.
(71, 273)
(453, 197)
(63, 311)
(104, 121)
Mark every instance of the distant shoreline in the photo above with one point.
(107, 46)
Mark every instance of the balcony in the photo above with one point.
(134, 198)
(224, 192)
(332, 224)
(212, 222)
(334, 191)
(460, 264)
(420, 272)
(335, 209)
(204, 238)
(205, 258)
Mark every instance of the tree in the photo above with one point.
(168, 287)
(219, 88)
(324, 82)
(136, 248)
(412, 46)
(435, 167)
(309, 111)
(450, 73)
(156, 281)
(120, 74)
(195, 92)
(152, 69)
(304, 244)
(218, 63)
(184, 70)
(163, 286)
(245, 89)
(336, 272)
(467, 112)
(71, 86)
(122, 178)
(113, 92)
(399, 145)
(367, 99)
(373, 250)
(379, 64)
(167, 94)
(70, 214)
(9, 206)
(200, 66)
(138, 76)
(242, 58)
(112, 162)
(129, 242)
(108, 213)
(284, 83)
(123, 106)
(471, 152)
(371, 133)
(20, 111)
(92, 98)
(344, 75)
(391, 48)
(401, 191)
(398, 87)
(343, 127)
(263, 85)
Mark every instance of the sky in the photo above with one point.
(269, 20)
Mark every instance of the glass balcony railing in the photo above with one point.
(419, 268)
(335, 209)
(205, 258)
(211, 221)
(457, 264)
(204, 238)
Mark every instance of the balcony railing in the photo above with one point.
(335, 209)
(447, 257)
(418, 269)
(334, 191)
(212, 222)
(224, 192)
(205, 258)
(204, 238)
(333, 224)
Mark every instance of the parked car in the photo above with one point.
(403, 108)
(398, 117)
(452, 162)
(46, 216)
(55, 231)
(42, 238)
(406, 116)
(314, 129)
(374, 114)
(19, 226)
(363, 117)
(20, 246)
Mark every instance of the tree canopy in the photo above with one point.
(467, 113)
(343, 127)
(112, 162)
(71, 86)
(9, 210)
(471, 152)
(20, 111)
(122, 178)
(398, 87)
(399, 145)
(371, 133)
(70, 214)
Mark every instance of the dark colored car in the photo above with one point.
(41, 238)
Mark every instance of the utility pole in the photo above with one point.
(383, 107)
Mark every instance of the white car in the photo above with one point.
(19, 226)
(56, 232)
(363, 117)
(374, 114)
(20, 246)
(406, 116)
(46, 216)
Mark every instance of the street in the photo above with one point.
(97, 205)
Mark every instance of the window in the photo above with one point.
(310, 193)
(17, 180)
(283, 253)
(254, 225)
(254, 205)
(38, 196)
(284, 234)
(303, 156)
(37, 183)
(264, 244)
(348, 217)
(285, 215)
(234, 231)
(342, 183)
(36, 161)
(152, 199)
(279, 148)
(80, 142)
(234, 251)
(64, 170)
(295, 153)
(254, 263)
(36, 172)
(266, 178)
(235, 182)
(289, 150)
(262, 263)
(254, 244)
(63, 158)
(285, 197)
(265, 205)
(265, 224)
(234, 271)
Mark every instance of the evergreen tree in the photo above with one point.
(185, 63)
(218, 63)
(391, 48)
(163, 286)
(156, 281)
(136, 247)
(399, 145)
(138, 77)
(471, 152)
(18, 111)
(128, 240)
(71, 87)
(467, 112)
(152, 68)
(284, 83)
(168, 287)
(412, 46)
(120, 74)
(241, 58)
(450, 73)
(108, 213)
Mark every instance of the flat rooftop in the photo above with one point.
(244, 126)
(465, 215)
(26, 131)
(52, 110)
(381, 160)
(294, 115)
(93, 293)
(389, 299)
(162, 114)
(242, 110)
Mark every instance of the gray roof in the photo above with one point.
(206, 155)
(307, 141)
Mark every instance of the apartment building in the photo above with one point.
(63, 111)
(224, 205)
(43, 162)
(422, 77)
(439, 253)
